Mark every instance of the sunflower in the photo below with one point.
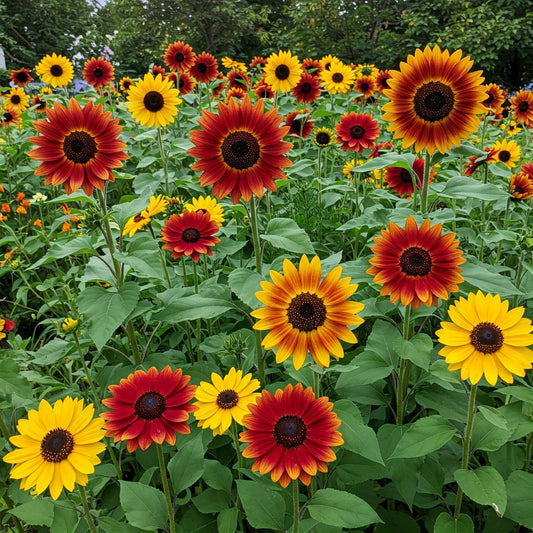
(69, 324)
(365, 69)
(218, 86)
(521, 186)
(204, 68)
(156, 205)
(233, 65)
(16, 100)
(508, 152)
(307, 89)
(312, 67)
(149, 407)
(135, 223)
(512, 128)
(486, 338)
(380, 149)
(153, 101)
(434, 100)
(522, 106)
(299, 127)
(400, 179)
(38, 103)
(240, 150)
(528, 169)
(338, 78)
(125, 84)
(57, 446)
(382, 80)
(290, 434)
(78, 147)
(282, 71)
(326, 61)
(262, 90)
(237, 79)
(366, 85)
(185, 84)
(6, 326)
(207, 205)
(323, 137)
(191, 233)
(98, 72)
(179, 56)
(158, 69)
(258, 61)
(305, 314)
(233, 92)
(224, 399)
(55, 70)
(21, 77)
(494, 98)
(357, 131)
(416, 265)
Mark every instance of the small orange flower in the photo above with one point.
(38, 223)
(20, 197)
(21, 210)
(5, 208)
(2, 218)
(74, 218)
(25, 203)
(1, 189)
(65, 227)
(65, 208)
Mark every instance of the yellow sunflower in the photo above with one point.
(153, 101)
(234, 65)
(134, 224)
(508, 152)
(326, 61)
(323, 137)
(486, 338)
(157, 205)
(16, 99)
(224, 399)
(207, 205)
(510, 129)
(55, 70)
(282, 71)
(69, 324)
(338, 78)
(57, 446)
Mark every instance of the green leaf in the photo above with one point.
(483, 277)
(106, 309)
(518, 391)
(35, 513)
(51, 352)
(485, 486)
(227, 520)
(58, 250)
(284, 233)
(245, 283)
(338, 508)
(211, 501)
(65, 517)
(417, 350)
(11, 381)
(217, 476)
(487, 436)
(193, 307)
(445, 523)
(143, 257)
(263, 507)
(146, 162)
(461, 187)
(423, 437)
(388, 160)
(519, 490)
(110, 525)
(144, 506)
(187, 466)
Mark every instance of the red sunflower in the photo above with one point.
(238, 80)
(179, 57)
(218, 88)
(380, 149)
(204, 68)
(494, 98)
(9, 118)
(308, 89)
(528, 169)
(38, 101)
(521, 186)
(234, 92)
(258, 61)
(356, 131)
(149, 407)
(522, 106)
(158, 69)
(382, 80)
(401, 181)
(262, 90)
(290, 434)
(312, 66)
(185, 83)
(240, 150)
(21, 77)
(416, 265)
(191, 233)
(299, 127)
(98, 72)
(366, 85)
(78, 147)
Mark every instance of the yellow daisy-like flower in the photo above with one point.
(16, 99)
(324, 137)
(234, 65)
(326, 61)
(282, 71)
(69, 324)
(305, 314)
(55, 70)
(57, 446)
(153, 101)
(207, 205)
(157, 205)
(348, 167)
(486, 338)
(225, 399)
(134, 224)
(508, 152)
(510, 129)
(338, 78)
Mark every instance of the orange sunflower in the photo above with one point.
(401, 181)
(495, 97)
(98, 72)
(357, 131)
(179, 57)
(417, 264)
(204, 68)
(522, 106)
(521, 186)
(435, 100)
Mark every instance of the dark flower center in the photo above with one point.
(364, 87)
(296, 126)
(306, 312)
(153, 101)
(181, 83)
(486, 337)
(323, 138)
(227, 399)
(306, 87)
(204, 211)
(41, 104)
(8, 117)
(22, 77)
(57, 445)
(434, 101)
(489, 99)
(265, 94)
(327, 66)
(416, 261)
(337, 77)
(282, 72)
(405, 176)
(523, 106)
(202, 68)
(79, 147)
(98, 72)
(56, 70)
(240, 150)
(504, 156)
(150, 405)
(191, 235)
(290, 431)
(385, 82)
(357, 132)
(179, 57)
(518, 189)
(138, 218)
(15, 99)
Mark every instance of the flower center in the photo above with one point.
(22, 77)
(337, 77)
(227, 399)
(57, 445)
(385, 83)
(305, 87)
(8, 117)
(202, 68)
(80, 147)
(523, 106)
(191, 235)
(153, 101)
(306, 312)
(282, 72)
(434, 101)
(323, 138)
(56, 70)
(296, 126)
(405, 176)
(98, 72)
(290, 431)
(504, 156)
(150, 405)
(179, 57)
(518, 189)
(364, 87)
(416, 261)
(15, 99)
(357, 132)
(240, 150)
(486, 337)
(489, 99)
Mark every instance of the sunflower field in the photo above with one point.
(287, 295)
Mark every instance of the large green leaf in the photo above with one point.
(485, 486)
(193, 307)
(187, 466)
(284, 233)
(58, 250)
(245, 283)
(144, 506)
(51, 352)
(485, 278)
(417, 350)
(461, 187)
(445, 523)
(263, 507)
(519, 490)
(35, 513)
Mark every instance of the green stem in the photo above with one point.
(260, 358)
(198, 320)
(483, 213)
(316, 384)
(4, 429)
(184, 271)
(405, 371)
(163, 159)
(161, 257)
(425, 184)
(9, 504)
(466, 446)
(255, 236)
(529, 443)
(235, 435)
(130, 331)
(86, 509)
(96, 398)
(166, 490)
(295, 506)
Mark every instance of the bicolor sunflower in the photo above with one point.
(185, 84)
(291, 434)
(258, 61)
(207, 205)
(262, 90)
(21, 77)
(16, 99)
(307, 89)
(486, 338)
(179, 56)
(55, 70)
(149, 407)
(125, 84)
(494, 99)
(307, 314)
(204, 68)
(153, 101)
(78, 147)
(56, 447)
(434, 100)
(357, 131)
(98, 72)
(158, 69)
(240, 150)
(301, 126)
(282, 71)
(508, 152)
(237, 94)
(521, 186)
(312, 67)
(366, 85)
(417, 264)
(522, 106)
(400, 180)
(38, 103)
(382, 80)
(323, 137)
(338, 78)
(237, 79)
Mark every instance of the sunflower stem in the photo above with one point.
(295, 506)
(163, 159)
(255, 236)
(425, 184)
(184, 271)
(260, 357)
(483, 212)
(166, 490)
(96, 398)
(113, 458)
(162, 258)
(86, 510)
(529, 443)
(235, 435)
(198, 320)
(9, 504)
(466, 446)
(404, 373)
